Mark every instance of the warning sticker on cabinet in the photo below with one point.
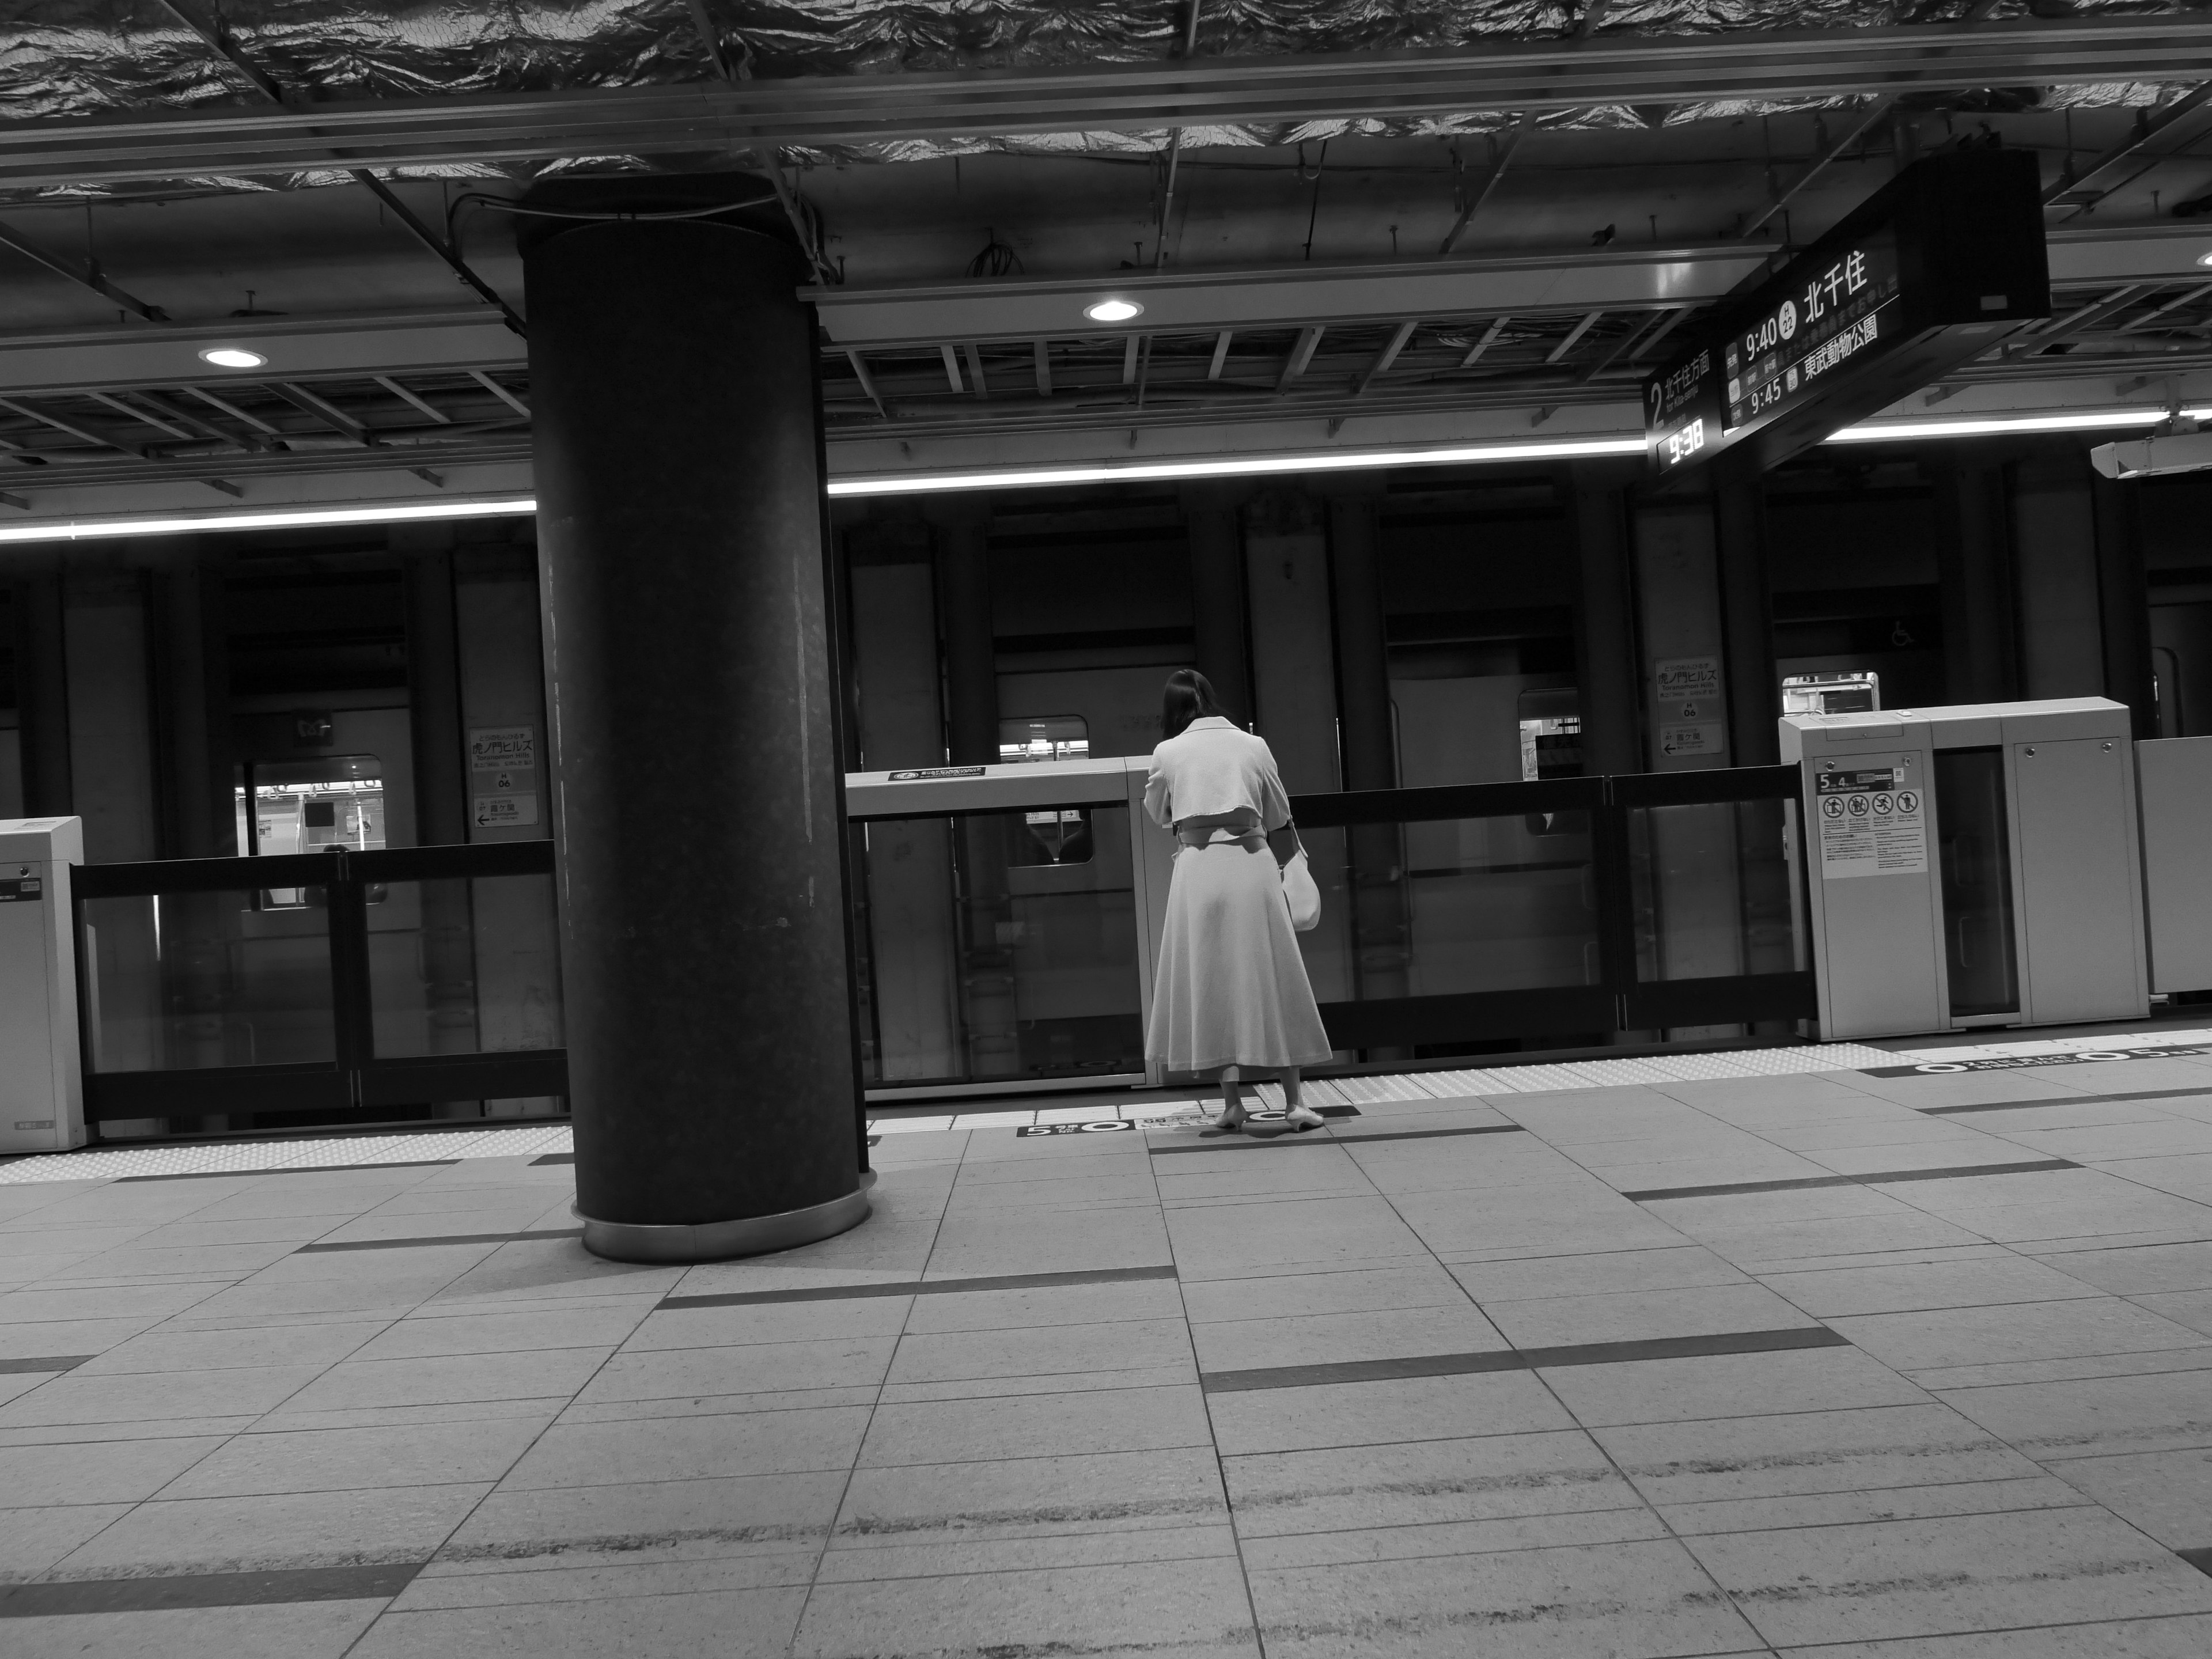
(1871, 824)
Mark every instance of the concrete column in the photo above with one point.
(698, 801)
(112, 768)
(1294, 704)
(515, 942)
(448, 969)
(1362, 647)
(1690, 921)
(2054, 537)
(2124, 601)
(1367, 735)
(42, 695)
(964, 598)
(198, 811)
(912, 1018)
(1293, 678)
(1973, 563)
(1605, 626)
(1754, 691)
(991, 1038)
(1212, 514)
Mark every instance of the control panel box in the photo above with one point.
(41, 1081)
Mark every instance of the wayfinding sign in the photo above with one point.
(1934, 268)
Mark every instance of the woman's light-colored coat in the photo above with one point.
(1231, 988)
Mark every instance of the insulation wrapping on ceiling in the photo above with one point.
(80, 58)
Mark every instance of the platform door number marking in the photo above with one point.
(1871, 823)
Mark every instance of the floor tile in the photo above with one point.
(339, 1460)
(1959, 1573)
(1195, 1608)
(738, 1623)
(314, 1630)
(1647, 1600)
(260, 1533)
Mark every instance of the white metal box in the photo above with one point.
(2174, 778)
(41, 1083)
(2009, 893)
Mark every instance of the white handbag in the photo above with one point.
(1300, 892)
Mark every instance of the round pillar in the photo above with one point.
(697, 800)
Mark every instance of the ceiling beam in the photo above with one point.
(1301, 355)
(1385, 357)
(816, 110)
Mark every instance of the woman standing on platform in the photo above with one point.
(1231, 992)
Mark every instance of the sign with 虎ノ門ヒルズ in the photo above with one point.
(503, 766)
(503, 749)
(1871, 823)
(1687, 679)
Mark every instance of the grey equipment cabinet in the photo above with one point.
(2011, 894)
(1866, 863)
(2173, 778)
(41, 1081)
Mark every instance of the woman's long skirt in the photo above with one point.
(1231, 988)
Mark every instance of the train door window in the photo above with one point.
(1551, 744)
(1051, 738)
(304, 806)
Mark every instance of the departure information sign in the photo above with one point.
(1835, 316)
(1933, 269)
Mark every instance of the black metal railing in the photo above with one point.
(319, 987)
(1648, 903)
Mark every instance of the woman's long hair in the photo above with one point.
(1188, 696)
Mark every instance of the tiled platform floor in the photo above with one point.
(1862, 1367)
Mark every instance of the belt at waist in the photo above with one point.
(1250, 840)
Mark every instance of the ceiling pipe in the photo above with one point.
(88, 275)
(218, 39)
(1584, 29)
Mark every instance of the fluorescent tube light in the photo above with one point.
(1231, 466)
(1970, 426)
(72, 530)
(1075, 473)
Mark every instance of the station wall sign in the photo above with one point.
(1934, 268)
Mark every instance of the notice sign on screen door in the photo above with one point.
(1871, 824)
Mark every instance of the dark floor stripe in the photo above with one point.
(2199, 1558)
(1731, 1188)
(52, 1362)
(1520, 1360)
(304, 1169)
(1230, 1144)
(212, 1590)
(2062, 1100)
(1879, 1178)
(554, 1158)
(916, 1287)
(441, 1239)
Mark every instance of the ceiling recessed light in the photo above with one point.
(1113, 310)
(232, 357)
(2205, 258)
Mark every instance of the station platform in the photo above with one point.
(1894, 1355)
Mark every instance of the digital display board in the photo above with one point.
(1935, 268)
